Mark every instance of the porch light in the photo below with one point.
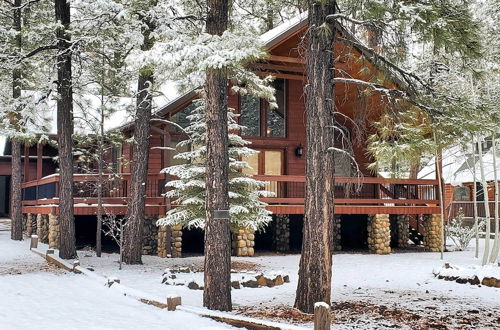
(299, 151)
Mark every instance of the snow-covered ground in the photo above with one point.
(369, 292)
(35, 295)
(399, 281)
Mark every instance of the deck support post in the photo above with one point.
(54, 235)
(403, 226)
(432, 236)
(336, 235)
(282, 233)
(379, 233)
(42, 228)
(243, 242)
(176, 241)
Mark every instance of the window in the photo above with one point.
(259, 119)
(180, 117)
(250, 115)
(461, 194)
(276, 117)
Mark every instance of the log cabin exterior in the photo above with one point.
(382, 205)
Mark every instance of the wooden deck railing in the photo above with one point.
(468, 209)
(352, 195)
(116, 189)
(290, 189)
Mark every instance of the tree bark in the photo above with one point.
(133, 231)
(16, 178)
(315, 269)
(65, 130)
(217, 286)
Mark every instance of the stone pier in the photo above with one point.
(433, 230)
(54, 232)
(379, 233)
(29, 224)
(282, 233)
(42, 228)
(150, 236)
(336, 235)
(403, 227)
(243, 242)
(176, 241)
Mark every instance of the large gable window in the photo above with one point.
(257, 117)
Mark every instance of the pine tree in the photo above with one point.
(188, 191)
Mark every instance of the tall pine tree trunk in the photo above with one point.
(217, 289)
(315, 269)
(16, 178)
(133, 231)
(65, 130)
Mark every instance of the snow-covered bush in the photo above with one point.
(460, 233)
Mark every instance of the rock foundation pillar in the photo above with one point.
(379, 233)
(42, 228)
(282, 233)
(150, 236)
(176, 241)
(163, 242)
(29, 224)
(337, 237)
(243, 242)
(54, 232)
(433, 230)
(403, 225)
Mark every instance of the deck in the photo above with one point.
(367, 195)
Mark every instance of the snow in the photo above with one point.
(400, 279)
(275, 33)
(458, 166)
(42, 297)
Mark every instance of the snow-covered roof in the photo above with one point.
(458, 166)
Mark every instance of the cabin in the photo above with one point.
(458, 175)
(380, 215)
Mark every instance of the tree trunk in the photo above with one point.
(65, 130)
(474, 198)
(132, 249)
(496, 243)
(217, 287)
(100, 182)
(486, 199)
(16, 178)
(315, 269)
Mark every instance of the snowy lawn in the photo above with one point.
(367, 289)
(34, 295)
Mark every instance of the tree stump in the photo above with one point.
(322, 317)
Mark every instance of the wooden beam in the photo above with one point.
(286, 59)
(280, 75)
(285, 68)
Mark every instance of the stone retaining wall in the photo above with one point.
(54, 232)
(403, 227)
(243, 242)
(282, 233)
(42, 228)
(379, 233)
(433, 230)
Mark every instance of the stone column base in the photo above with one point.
(162, 250)
(336, 235)
(243, 243)
(54, 232)
(150, 236)
(176, 241)
(403, 225)
(29, 224)
(379, 233)
(433, 230)
(42, 228)
(282, 233)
